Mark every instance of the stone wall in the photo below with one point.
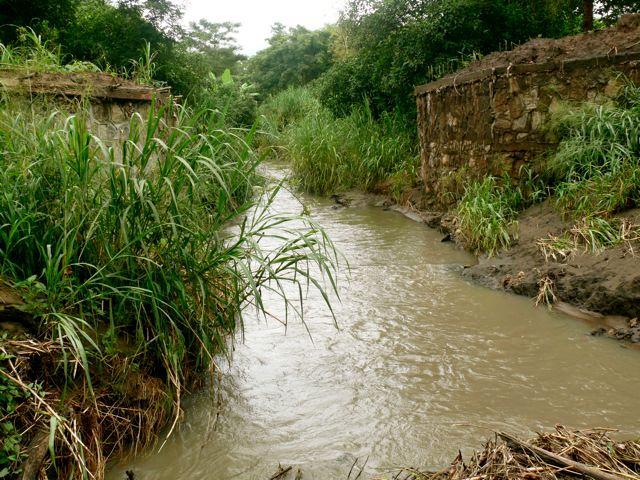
(111, 100)
(491, 121)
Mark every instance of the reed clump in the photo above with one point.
(329, 153)
(129, 276)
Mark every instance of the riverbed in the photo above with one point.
(418, 363)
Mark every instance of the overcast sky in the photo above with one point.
(257, 16)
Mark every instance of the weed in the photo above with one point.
(486, 214)
(596, 167)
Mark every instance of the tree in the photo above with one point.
(295, 56)
(393, 45)
(215, 42)
(112, 36)
(37, 14)
(610, 10)
(587, 15)
(165, 15)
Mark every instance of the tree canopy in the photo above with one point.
(295, 56)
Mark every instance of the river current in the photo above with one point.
(422, 363)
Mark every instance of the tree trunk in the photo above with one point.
(587, 12)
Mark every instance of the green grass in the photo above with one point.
(596, 168)
(132, 244)
(329, 154)
(486, 214)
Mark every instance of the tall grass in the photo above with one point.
(486, 214)
(596, 168)
(329, 153)
(132, 244)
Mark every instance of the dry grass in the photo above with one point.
(503, 458)
(87, 428)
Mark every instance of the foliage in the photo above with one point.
(10, 448)
(41, 15)
(33, 54)
(294, 57)
(611, 10)
(234, 102)
(329, 153)
(596, 167)
(487, 212)
(112, 36)
(134, 241)
(398, 44)
(288, 107)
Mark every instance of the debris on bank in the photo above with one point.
(560, 454)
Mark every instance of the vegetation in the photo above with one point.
(596, 168)
(127, 265)
(329, 153)
(134, 262)
(294, 57)
(487, 214)
(593, 174)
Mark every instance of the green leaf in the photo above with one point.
(227, 78)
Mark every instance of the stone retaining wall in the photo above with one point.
(111, 100)
(491, 121)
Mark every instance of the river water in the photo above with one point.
(423, 363)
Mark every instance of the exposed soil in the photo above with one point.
(623, 37)
(605, 287)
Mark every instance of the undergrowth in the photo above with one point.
(328, 153)
(129, 270)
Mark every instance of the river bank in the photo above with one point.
(601, 288)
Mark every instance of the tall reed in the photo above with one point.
(126, 251)
(329, 153)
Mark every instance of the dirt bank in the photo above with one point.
(604, 286)
(624, 37)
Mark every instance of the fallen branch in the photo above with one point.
(578, 467)
(281, 472)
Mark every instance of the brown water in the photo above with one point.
(422, 363)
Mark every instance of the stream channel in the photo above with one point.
(422, 363)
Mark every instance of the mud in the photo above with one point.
(603, 287)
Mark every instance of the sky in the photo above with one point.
(257, 16)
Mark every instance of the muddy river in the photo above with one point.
(422, 363)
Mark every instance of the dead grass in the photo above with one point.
(505, 457)
(120, 416)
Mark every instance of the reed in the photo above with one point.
(329, 153)
(126, 260)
